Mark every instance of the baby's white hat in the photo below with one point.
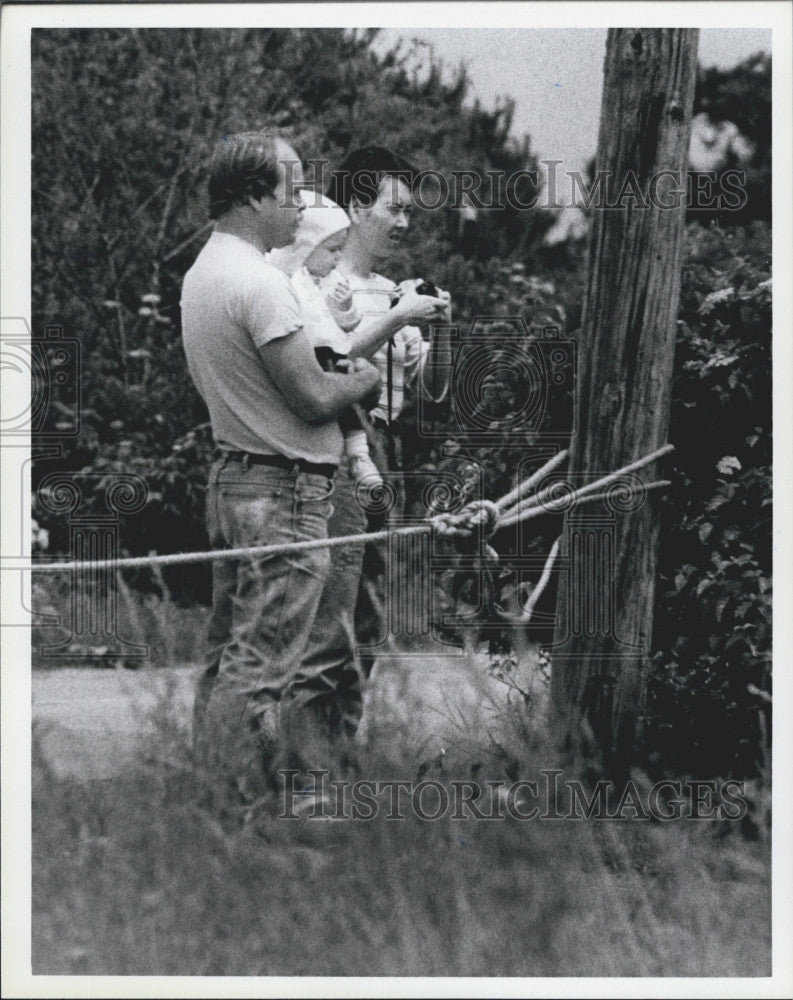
(322, 218)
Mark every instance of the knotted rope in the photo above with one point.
(479, 519)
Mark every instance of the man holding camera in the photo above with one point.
(273, 410)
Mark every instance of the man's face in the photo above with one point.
(383, 224)
(281, 212)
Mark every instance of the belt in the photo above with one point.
(279, 462)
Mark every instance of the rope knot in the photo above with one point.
(478, 515)
(482, 513)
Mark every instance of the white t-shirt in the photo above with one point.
(233, 302)
(372, 297)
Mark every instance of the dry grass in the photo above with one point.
(137, 874)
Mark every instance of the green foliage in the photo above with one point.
(711, 682)
(123, 123)
(742, 95)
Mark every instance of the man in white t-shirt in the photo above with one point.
(273, 411)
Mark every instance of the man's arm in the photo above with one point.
(368, 338)
(436, 374)
(310, 393)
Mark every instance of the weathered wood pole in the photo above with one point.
(626, 350)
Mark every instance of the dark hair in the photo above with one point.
(244, 165)
(360, 173)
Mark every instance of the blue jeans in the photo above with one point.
(329, 671)
(331, 665)
(263, 607)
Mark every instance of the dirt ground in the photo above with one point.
(90, 723)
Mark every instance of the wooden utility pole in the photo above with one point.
(626, 351)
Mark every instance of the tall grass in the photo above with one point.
(142, 874)
(169, 632)
(137, 875)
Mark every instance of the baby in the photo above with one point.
(328, 313)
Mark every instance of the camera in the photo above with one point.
(331, 361)
(426, 288)
(422, 288)
(43, 395)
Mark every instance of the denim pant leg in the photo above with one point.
(224, 584)
(377, 555)
(266, 619)
(329, 674)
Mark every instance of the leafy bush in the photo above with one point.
(710, 689)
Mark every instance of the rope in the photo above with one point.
(525, 513)
(480, 513)
(483, 516)
(182, 558)
(539, 499)
(514, 495)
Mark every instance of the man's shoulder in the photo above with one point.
(236, 263)
(267, 276)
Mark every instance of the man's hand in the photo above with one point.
(310, 393)
(409, 309)
(446, 313)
